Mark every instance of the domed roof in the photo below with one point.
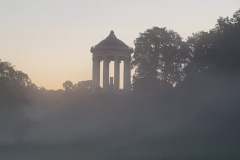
(111, 43)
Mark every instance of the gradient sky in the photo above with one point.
(50, 40)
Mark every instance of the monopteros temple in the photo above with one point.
(111, 49)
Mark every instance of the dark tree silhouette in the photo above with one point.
(68, 85)
(226, 48)
(199, 45)
(83, 86)
(14, 86)
(159, 58)
(217, 50)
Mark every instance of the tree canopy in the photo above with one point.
(82, 86)
(159, 58)
(14, 86)
(217, 50)
(162, 59)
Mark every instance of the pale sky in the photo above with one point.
(50, 40)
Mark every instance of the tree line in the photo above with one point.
(161, 60)
(14, 88)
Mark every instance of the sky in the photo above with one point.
(50, 40)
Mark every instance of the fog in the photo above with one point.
(194, 122)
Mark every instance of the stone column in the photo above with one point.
(116, 73)
(127, 74)
(106, 73)
(96, 73)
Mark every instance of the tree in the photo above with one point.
(199, 45)
(83, 86)
(226, 48)
(217, 50)
(68, 86)
(14, 86)
(159, 58)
